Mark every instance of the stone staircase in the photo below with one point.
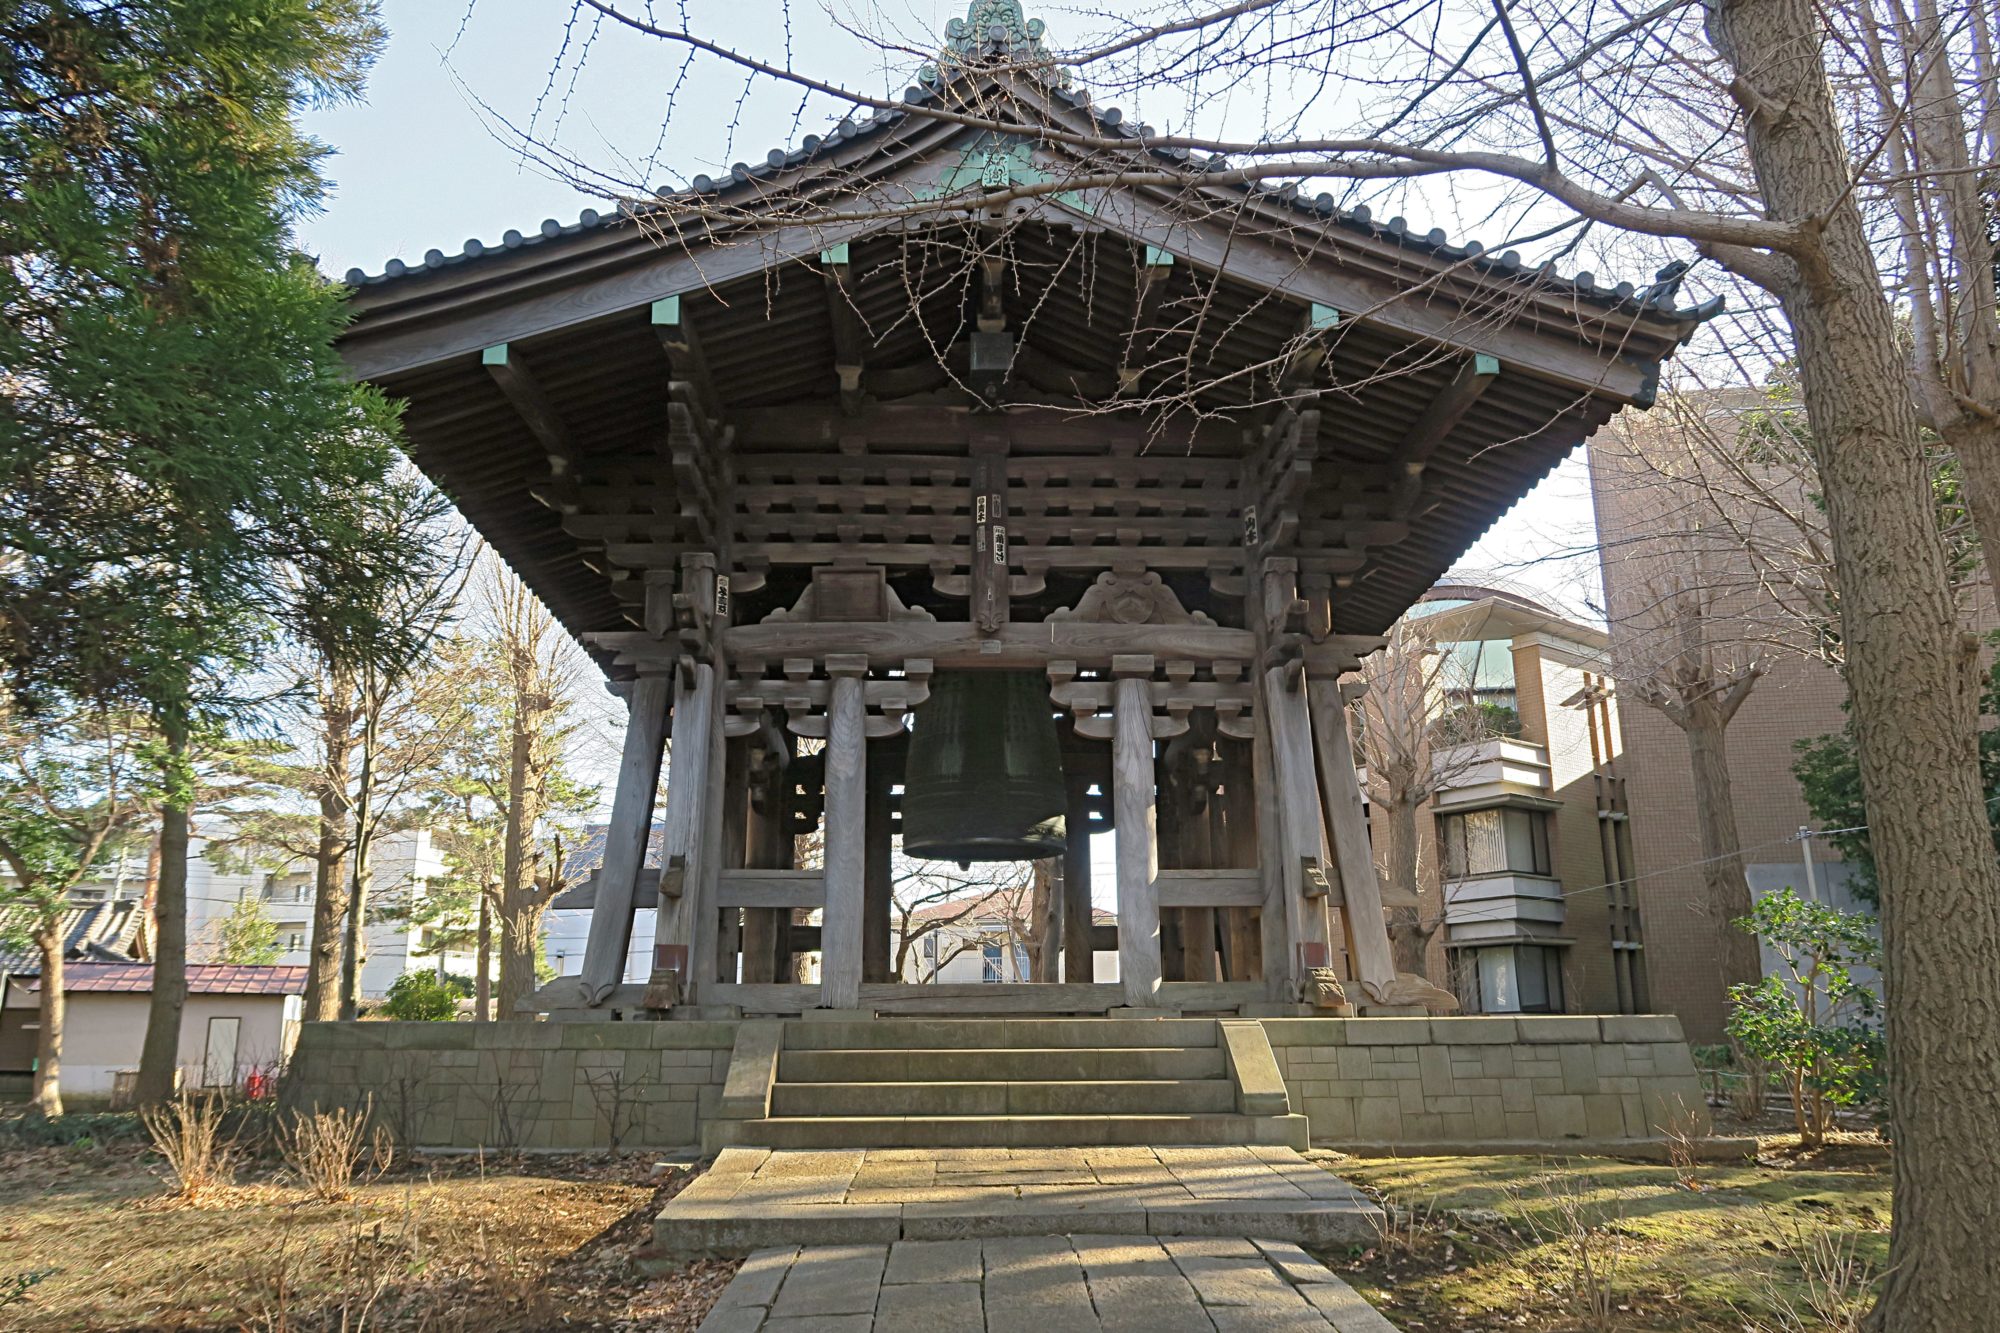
(992, 1082)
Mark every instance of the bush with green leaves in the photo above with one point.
(1813, 1021)
(424, 997)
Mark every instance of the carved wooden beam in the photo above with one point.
(1438, 421)
(1152, 289)
(850, 338)
(524, 391)
(682, 344)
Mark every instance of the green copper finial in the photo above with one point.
(999, 21)
(995, 27)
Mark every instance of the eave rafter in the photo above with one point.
(1151, 289)
(850, 337)
(1440, 417)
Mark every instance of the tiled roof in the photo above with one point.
(202, 979)
(95, 931)
(1624, 296)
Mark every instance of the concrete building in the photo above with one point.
(403, 864)
(1529, 843)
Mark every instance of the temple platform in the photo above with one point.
(1582, 1084)
(754, 1197)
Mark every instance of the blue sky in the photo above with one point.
(427, 162)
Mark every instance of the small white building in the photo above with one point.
(979, 937)
(240, 1023)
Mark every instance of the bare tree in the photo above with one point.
(1421, 729)
(540, 677)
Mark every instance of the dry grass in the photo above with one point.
(1570, 1221)
(324, 1148)
(188, 1132)
(1684, 1130)
(449, 1245)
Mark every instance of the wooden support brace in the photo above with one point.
(625, 840)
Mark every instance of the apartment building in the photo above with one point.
(1529, 840)
(222, 876)
(1714, 563)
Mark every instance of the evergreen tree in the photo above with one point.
(174, 421)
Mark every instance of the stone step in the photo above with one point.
(1001, 1065)
(1008, 1131)
(1058, 1098)
(996, 1033)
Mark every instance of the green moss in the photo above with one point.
(1493, 1237)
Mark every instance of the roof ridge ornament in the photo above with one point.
(996, 27)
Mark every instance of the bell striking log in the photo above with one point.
(984, 780)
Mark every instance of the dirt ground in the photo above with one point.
(1793, 1242)
(1790, 1243)
(442, 1244)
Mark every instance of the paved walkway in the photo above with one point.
(1040, 1284)
(753, 1197)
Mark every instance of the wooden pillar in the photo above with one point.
(841, 923)
(735, 848)
(1234, 828)
(1135, 820)
(769, 847)
(1197, 923)
(1297, 803)
(625, 840)
(1049, 929)
(877, 881)
(1079, 959)
(1368, 948)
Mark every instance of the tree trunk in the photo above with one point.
(159, 1057)
(354, 953)
(518, 916)
(1911, 675)
(482, 984)
(143, 945)
(49, 1015)
(1728, 891)
(323, 964)
(1409, 935)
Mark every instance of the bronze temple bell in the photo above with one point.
(984, 780)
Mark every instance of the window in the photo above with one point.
(1494, 842)
(294, 942)
(993, 963)
(1516, 979)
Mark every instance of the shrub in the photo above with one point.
(79, 1129)
(188, 1132)
(1815, 1023)
(325, 1148)
(421, 997)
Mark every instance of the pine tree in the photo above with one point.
(174, 420)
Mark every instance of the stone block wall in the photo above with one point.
(1488, 1083)
(503, 1086)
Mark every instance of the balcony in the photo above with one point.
(1493, 771)
(1501, 907)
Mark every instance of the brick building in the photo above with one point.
(1695, 530)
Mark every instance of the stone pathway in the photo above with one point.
(1041, 1284)
(752, 1198)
